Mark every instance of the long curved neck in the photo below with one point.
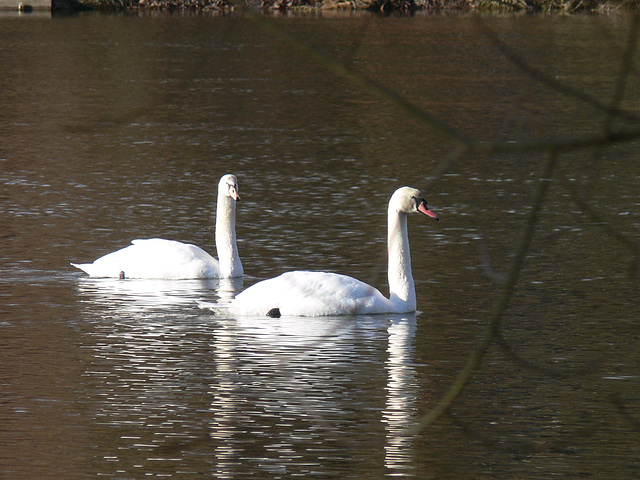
(228, 257)
(401, 287)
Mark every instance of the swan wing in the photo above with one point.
(155, 258)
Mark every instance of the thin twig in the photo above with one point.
(594, 139)
(444, 165)
(625, 69)
(485, 261)
(618, 92)
(367, 84)
(590, 367)
(476, 356)
(632, 245)
(550, 81)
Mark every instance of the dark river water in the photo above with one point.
(118, 127)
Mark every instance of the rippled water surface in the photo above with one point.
(119, 127)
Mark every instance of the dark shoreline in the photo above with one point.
(382, 6)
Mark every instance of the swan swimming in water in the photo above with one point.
(169, 259)
(303, 293)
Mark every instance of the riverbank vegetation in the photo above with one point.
(385, 6)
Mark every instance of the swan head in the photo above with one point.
(411, 200)
(228, 186)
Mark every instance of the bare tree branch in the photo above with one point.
(502, 302)
(367, 84)
(625, 70)
(551, 82)
(552, 147)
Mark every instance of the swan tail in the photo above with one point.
(85, 267)
(97, 271)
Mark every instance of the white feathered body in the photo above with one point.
(313, 294)
(155, 258)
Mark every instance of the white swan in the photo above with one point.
(302, 293)
(168, 259)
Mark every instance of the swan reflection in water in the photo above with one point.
(283, 395)
(308, 390)
(132, 295)
(402, 394)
